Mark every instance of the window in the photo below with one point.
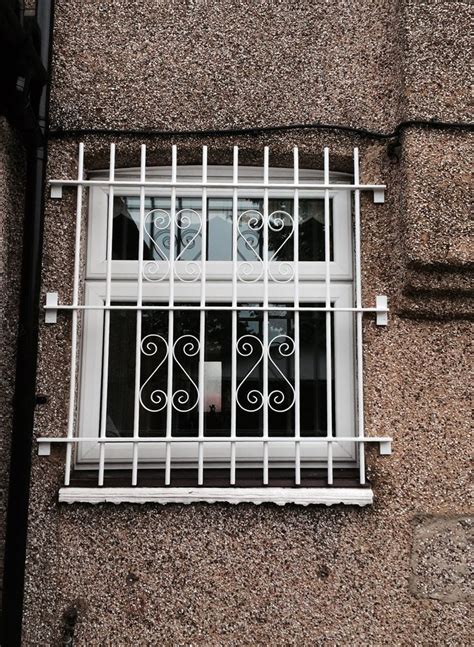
(221, 325)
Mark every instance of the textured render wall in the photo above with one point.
(392, 574)
(11, 222)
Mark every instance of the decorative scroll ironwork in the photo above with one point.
(186, 237)
(286, 270)
(253, 400)
(158, 399)
(250, 228)
(251, 236)
(158, 220)
(278, 401)
(182, 400)
(246, 346)
(188, 228)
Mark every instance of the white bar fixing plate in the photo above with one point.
(44, 449)
(56, 191)
(379, 196)
(381, 304)
(51, 314)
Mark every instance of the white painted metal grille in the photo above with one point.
(265, 278)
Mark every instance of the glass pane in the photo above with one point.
(156, 245)
(156, 237)
(217, 373)
(121, 381)
(311, 230)
(313, 403)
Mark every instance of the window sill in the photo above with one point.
(360, 496)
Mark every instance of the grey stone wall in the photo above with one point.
(248, 575)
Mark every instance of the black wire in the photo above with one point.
(255, 130)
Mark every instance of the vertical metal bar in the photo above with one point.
(202, 317)
(136, 405)
(265, 315)
(169, 409)
(358, 280)
(233, 413)
(75, 302)
(108, 290)
(296, 323)
(327, 279)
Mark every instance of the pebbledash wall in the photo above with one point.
(394, 573)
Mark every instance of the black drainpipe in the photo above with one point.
(26, 361)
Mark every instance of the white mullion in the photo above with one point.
(136, 410)
(108, 290)
(327, 280)
(358, 280)
(265, 315)
(169, 404)
(296, 322)
(202, 317)
(233, 414)
(75, 303)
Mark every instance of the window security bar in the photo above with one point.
(52, 306)
(264, 265)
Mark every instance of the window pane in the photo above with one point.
(156, 245)
(218, 395)
(121, 381)
(313, 408)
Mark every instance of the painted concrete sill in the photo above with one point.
(360, 496)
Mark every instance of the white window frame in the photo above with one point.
(219, 277)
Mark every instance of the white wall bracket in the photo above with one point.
(385, 447)
(56, 191)
(381, 306)
(44, 449)
(51, 312)
(379, 196)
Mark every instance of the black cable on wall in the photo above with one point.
(257, 130)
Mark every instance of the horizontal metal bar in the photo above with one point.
(385, 442)
(228, 308)
(217, 439)
(220, 185)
